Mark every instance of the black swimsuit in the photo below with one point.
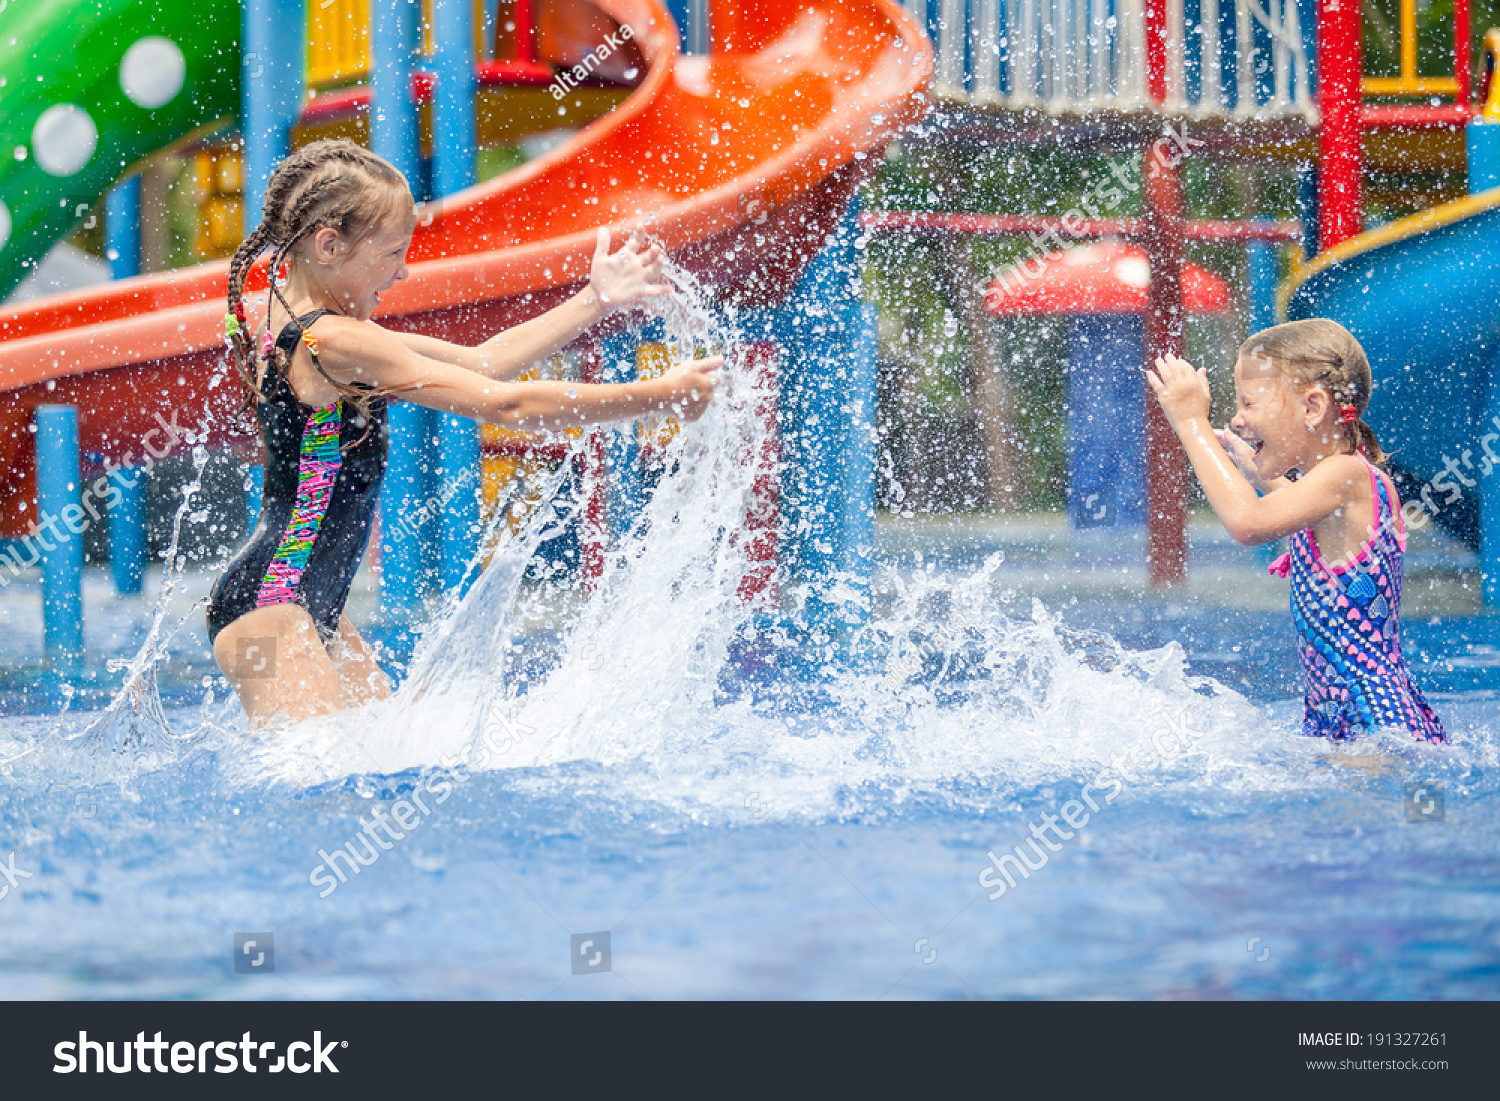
(322, 486)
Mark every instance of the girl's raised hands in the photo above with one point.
(630, 276)
(1182, 391)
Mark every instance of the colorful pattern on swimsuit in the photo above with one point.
(317, 469)
(1355, 676)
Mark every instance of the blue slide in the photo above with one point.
(1423, 296)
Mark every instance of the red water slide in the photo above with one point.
(740, 162)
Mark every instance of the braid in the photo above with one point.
(311, 189)
(241, 347)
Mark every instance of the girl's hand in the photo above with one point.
(686, 389)
(628, 277)
(1241, 452)
(1182, 391)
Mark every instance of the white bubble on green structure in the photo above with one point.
(64, 139)
(152, 72)
(4, 223)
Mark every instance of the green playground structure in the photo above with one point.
(90, 87)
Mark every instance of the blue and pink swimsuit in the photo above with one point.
(322, 485)
(1348, 619)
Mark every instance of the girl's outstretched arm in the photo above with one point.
(1249, 518)
(617, 281)
(357, 351)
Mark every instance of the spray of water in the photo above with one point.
(944, 693)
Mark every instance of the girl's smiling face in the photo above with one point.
(1281, 426)
(356, 276)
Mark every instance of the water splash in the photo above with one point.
(670, 690)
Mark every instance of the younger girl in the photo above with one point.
(320, 372)
(1301, 388)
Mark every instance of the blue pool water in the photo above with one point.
(738, 808)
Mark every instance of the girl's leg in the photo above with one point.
(361, 680)
(278, 665)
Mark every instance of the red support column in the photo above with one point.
(1461, 51)
(1166, 473)
(593, 536)
(758, 588)
(1340, 204)
(1156, 51)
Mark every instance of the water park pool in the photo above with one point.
(808, 832)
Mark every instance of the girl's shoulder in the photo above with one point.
(1348, 475)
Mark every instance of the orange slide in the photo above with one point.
(740, 162)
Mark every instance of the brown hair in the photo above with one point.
(326, 183)
(1318, 352)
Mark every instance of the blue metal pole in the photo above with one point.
(627, 492)
(127, 531)
(255, 486)
(58, 511)
(401, 496)
(692, 19)
(275, 34)
(859, 404)
(122, 228)
(1106, 421)
(453, 136)
(459, 481)
(393, 114)
(1483, 141)
(1307, 208)
(1260, 257)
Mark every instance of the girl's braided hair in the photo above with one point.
(1321, 353)
(332, 183)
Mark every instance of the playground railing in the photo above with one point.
(1234, 58)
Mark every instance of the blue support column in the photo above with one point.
(58, 508)
(401, 496)
(827, 395)
(127, 531)
(627, 491)
(1106, 421)
(122, 228)
(458, 483)
(393, 114)
(1483, 141)
(274, 40)
(1307, 208)
(1260, 292)
(453, 135)
(692, 19)
(255, 487)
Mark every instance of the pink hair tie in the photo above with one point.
(1282, 567)
(267, 345)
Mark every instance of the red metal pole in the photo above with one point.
(1461, 51)
(758, 588)
(1166, 474)
(1340, 206)
(592, 535)
(1156, 51)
